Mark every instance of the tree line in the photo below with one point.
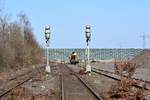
(18, 46)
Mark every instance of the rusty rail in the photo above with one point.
(62, 88)
(116, 77)
(87, 85)
(31, 75)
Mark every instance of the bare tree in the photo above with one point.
(18, 46)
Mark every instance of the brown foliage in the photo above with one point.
(124, 90)
(127, 66)
(18, 46)
(82, 71)
(22, 93)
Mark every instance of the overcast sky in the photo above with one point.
(115, 23)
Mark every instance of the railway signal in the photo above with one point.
(47, 33)
(88, 39)
(47, 37)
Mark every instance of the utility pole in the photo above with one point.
(120, 45)
(144, 36)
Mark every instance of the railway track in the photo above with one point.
(124, 75)
(114, 76)
(139, 84)
(74, 87)
(18, 81)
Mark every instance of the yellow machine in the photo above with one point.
(74, 59)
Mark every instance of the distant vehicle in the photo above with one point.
(93, 60)
(74, 59)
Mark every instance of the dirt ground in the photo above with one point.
(45, 87)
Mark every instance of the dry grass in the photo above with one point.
(124, 89)
(21, 93)
(125, 66)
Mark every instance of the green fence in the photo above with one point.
(98, 54)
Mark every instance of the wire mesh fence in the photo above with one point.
(96, 54)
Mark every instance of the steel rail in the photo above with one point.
(117, 78)
(87, 85)
(20, 83)
(62, 88)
